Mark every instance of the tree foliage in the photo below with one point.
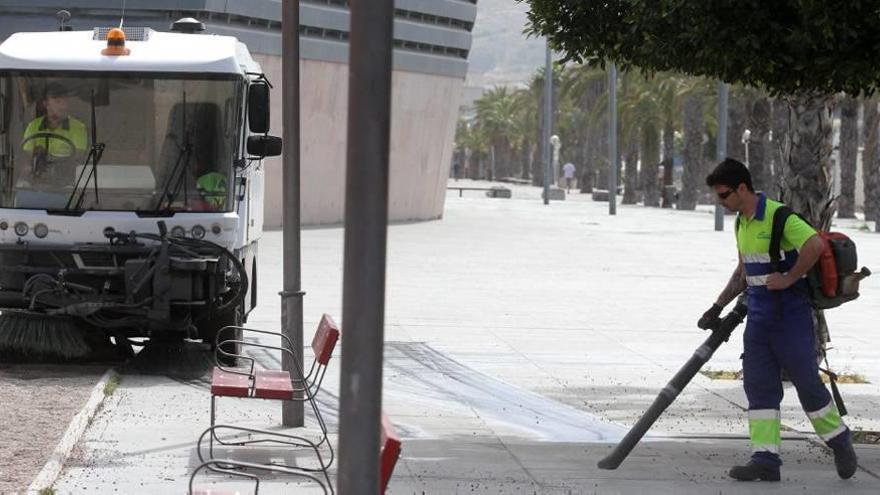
(786, 46)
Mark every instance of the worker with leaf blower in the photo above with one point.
(779, 331)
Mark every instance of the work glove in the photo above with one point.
(711, 318)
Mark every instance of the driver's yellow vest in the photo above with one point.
(212, 187)
(70, 131)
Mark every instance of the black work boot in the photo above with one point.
(753, 471)
(845, 460)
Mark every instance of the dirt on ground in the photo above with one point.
(37, 403)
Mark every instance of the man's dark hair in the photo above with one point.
(730, 173)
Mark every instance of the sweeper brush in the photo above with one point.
(38, 336)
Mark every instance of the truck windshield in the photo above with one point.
(168, 141)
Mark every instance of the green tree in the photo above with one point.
(497, 117)
(806, 50)
(584, 87)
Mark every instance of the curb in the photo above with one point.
(49, 474)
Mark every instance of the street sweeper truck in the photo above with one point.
(131, 187)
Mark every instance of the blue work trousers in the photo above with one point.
(779, 335)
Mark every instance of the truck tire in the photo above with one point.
(209, 329)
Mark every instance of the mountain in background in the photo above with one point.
(501, 55)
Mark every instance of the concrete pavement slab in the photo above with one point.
(515, 331)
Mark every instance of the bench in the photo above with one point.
(389, 453)
(516, 180)
(492, 192)
(235, 468)
(246, 382)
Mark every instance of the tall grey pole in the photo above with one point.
(723, 91)
(548, 120)
(366, 226)
(613, 155)
(291, 297)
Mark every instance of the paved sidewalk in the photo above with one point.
(522, 341)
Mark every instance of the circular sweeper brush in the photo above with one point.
(34, 336)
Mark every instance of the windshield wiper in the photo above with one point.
(177, 179)
(94, 157)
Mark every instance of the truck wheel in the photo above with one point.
(210, 328)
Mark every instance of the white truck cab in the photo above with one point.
(131, 182)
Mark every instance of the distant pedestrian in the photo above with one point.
(779, 332)
(568, 171)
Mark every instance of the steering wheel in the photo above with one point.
(71, 147)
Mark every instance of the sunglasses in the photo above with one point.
(725, 194)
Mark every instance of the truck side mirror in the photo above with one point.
(263, 146)
(258, 107)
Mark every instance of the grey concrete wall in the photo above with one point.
(424, 113)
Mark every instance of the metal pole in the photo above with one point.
(613, 162)
(548, 120)
(291, 297)
(366, 226)
(723, 90)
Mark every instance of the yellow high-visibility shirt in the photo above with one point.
(71, 129)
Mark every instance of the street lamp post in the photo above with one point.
(548, 117)
(557, 144)
(614, 162)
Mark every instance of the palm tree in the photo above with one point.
(524, 131)
(736, 122)
(780, 135)
(671, 106)
(585, 87)
(871, 161)
(536, 89)
(472, 142)
(758, 117)
(496, 115)
(643, 107)
(849, 149)
(691, 179)
(806, 171)
(700, 116)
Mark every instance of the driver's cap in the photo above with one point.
(55, 89)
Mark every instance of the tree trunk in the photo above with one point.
(849, 149)
(525, 159)
(650, 164)
(780, 135)
(631, 168)
(736, 124)
(538, 158)
(668, 163)
(692, 176)
(806, 170)
(759, 123)
(871, 162)
(595, 136)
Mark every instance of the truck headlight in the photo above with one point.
(198, 232)
(41, 230)
(178, 231)
(21, 229)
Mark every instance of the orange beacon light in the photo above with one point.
(115, 43)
